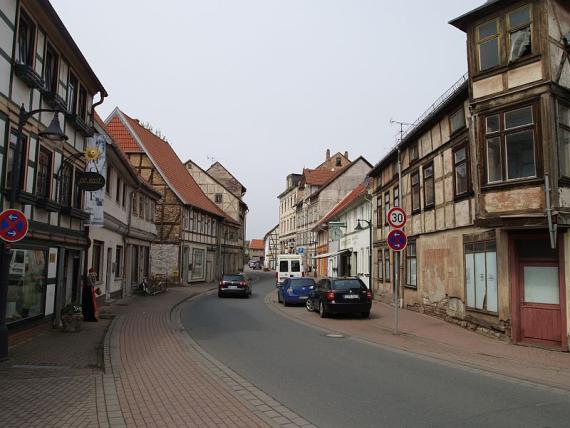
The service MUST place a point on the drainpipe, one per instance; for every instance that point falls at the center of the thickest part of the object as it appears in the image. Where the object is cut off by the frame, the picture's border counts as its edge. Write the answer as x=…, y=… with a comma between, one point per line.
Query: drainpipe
x=552, y=228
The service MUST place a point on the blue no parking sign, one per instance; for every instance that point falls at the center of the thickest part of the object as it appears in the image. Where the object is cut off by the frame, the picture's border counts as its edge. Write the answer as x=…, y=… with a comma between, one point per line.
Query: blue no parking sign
x=397, y=240
x=13, y=225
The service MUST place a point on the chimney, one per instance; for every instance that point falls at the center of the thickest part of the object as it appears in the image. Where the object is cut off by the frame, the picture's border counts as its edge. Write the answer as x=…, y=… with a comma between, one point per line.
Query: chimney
x=346, y=155
x=328, y=154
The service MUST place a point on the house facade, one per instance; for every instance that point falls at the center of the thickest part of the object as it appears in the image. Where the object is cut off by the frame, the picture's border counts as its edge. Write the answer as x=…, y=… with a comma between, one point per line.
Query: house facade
x=120, y=245
x=287, y=214
x=484, y=183
x=230, y=201
x=257, y=250
x=188, y=244
x=41, y=67
x=271, y=240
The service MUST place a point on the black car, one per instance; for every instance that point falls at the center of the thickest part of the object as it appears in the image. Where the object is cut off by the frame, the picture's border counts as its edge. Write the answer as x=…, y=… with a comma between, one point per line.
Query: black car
x=340, y=296
x=234, y=285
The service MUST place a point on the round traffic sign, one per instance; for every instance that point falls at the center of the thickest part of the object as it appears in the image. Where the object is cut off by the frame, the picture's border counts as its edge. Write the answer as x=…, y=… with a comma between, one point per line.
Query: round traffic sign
x=397, y=217
x=13, y=225
x=397, y=240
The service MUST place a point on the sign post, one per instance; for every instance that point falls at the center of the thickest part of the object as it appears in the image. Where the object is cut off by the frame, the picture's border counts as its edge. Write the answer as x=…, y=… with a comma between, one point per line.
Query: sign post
x=397, y=241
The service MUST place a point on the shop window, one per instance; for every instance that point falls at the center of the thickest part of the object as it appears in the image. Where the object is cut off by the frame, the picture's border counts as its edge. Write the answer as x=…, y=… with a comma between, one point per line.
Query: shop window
x=481, y=276
x=429, y=186
x=461, y=170
x=26, y=284
x=97, y=258
x=415, y=183
x=43, y=178
x=50, y=70
x=457, y=120
x=387, y=265
x=10, y=159
x=411, y=266
x=118, y=261
x=564, y=140
x=510, y=145
x=26, y=39
x=386, y=206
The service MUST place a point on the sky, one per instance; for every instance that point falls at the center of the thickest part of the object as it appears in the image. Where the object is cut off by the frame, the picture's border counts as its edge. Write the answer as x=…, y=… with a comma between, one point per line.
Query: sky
x=266, y=86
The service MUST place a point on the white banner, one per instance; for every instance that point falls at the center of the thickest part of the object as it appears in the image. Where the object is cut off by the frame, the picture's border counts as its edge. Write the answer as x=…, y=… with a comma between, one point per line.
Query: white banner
x=94, y=201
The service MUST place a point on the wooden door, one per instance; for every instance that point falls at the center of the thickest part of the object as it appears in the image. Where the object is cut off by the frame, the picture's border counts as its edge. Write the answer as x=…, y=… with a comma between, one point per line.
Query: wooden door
x=540, y=309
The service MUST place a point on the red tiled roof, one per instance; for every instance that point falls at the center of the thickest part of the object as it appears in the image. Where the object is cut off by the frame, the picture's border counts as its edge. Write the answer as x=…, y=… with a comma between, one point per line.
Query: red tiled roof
x=122, y=136
x=168, y=163
x=348, y=200
x=256, y=244
x=317, y=177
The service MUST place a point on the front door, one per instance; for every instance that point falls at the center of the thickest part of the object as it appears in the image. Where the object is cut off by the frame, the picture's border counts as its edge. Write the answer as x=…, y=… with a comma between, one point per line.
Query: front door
x=540, y=311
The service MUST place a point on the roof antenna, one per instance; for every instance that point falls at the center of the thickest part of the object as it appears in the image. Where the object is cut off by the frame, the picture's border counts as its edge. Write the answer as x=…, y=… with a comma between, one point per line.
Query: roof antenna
x=213, y=159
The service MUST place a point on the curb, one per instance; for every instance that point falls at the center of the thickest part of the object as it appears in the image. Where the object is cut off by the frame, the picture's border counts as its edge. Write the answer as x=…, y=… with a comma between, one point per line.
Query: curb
x=261, y=404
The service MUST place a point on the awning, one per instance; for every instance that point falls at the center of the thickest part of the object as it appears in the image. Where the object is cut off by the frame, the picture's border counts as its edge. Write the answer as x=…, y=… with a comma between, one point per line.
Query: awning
x=336, y=253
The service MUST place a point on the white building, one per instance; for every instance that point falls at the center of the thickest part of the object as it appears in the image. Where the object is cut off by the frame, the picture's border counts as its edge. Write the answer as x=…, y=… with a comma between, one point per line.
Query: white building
x=271, y=240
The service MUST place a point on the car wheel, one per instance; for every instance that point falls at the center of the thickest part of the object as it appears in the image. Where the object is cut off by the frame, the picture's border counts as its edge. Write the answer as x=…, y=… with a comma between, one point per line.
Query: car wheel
x=309, y=305
x=366, y=314
x=220, y=294
x=322, y=312
x=285, y=302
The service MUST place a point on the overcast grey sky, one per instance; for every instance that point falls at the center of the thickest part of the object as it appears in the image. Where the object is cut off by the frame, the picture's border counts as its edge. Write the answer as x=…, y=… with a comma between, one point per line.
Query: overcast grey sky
x=266, y=86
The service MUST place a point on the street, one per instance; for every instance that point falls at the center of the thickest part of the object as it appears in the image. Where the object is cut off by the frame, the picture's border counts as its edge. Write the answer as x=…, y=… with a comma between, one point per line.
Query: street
x=340, y=382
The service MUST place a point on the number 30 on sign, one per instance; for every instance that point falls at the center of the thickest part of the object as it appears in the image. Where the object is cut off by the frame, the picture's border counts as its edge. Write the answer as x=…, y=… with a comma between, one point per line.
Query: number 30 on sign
x=397, y=218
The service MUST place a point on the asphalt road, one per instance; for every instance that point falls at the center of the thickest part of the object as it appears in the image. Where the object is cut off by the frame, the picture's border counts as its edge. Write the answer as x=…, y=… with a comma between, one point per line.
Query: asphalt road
x=347, y=383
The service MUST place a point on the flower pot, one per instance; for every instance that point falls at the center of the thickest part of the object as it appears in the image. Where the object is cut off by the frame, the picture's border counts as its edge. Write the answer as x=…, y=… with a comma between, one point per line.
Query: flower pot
x=71, y=323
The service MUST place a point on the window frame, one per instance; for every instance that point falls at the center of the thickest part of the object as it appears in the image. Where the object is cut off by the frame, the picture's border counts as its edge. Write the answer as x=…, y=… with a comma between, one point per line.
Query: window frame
x=510, y=30
x=218, y=198
x=119, y=261
x=479, y=41
x=380, y=259
x=387, y=203
x=387, y=265
x=502, y=134
x=77, y=193
x=460, y=110
x=469, y=189
x=485, y=244
x=31, y=39
x=425, y=167
x=71, y=98
x=43, y=184
x=12, y=148
x=414, y=188
x=411, y=245
x=66, y=186
x=51, y=84
x=379, y=217
x=396, y=196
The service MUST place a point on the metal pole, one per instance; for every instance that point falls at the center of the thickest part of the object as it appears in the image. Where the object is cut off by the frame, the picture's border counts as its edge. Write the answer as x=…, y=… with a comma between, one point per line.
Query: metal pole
x=398, y=254
x=396, y=288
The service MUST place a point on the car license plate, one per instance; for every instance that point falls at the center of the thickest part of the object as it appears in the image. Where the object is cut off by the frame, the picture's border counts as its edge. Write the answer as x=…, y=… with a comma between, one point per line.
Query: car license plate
x=303, y=297
x=232, y=286
x=351, y=296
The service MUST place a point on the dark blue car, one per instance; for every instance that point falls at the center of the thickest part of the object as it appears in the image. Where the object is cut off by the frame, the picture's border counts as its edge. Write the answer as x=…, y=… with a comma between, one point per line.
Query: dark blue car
x=294, y=291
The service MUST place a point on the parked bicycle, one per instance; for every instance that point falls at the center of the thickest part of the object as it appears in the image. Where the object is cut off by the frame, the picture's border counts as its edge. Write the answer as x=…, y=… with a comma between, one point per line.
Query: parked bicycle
x=157, y=284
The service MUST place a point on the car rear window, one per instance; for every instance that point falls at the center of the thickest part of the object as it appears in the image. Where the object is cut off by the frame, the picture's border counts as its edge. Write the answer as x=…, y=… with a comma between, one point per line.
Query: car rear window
x=302, y=283
x=283, y=266
x=295, y=266
x=348, y=284
x=233, y=278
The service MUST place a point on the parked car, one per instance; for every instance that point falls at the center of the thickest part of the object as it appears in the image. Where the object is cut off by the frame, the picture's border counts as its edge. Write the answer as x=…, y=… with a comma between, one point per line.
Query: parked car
x=289, y=266
x=234, y=285
x=295, y=290
x=340, y=296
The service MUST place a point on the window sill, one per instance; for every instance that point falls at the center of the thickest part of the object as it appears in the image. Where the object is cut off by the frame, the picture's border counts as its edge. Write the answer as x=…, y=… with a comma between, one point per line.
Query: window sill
x=482, y=311
x=463, y=196
x=429, y=207
x=564, y=181
x=511, y=184
x=411, y=287
x=80, y=124
x=47, y=204
x=416, y=211
x=54, y=100
x=499, y=69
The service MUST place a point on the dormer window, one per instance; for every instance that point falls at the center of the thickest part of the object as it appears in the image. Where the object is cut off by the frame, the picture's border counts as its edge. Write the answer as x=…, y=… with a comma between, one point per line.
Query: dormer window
x=338, y=162
x=26, y=38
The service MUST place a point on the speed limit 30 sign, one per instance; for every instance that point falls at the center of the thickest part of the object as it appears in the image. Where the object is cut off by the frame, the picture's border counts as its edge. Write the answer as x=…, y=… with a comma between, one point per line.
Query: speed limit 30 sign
x=397, y=218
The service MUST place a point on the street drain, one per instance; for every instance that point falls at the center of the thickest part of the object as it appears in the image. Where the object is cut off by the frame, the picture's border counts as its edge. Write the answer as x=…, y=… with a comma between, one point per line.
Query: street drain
x=335, y=335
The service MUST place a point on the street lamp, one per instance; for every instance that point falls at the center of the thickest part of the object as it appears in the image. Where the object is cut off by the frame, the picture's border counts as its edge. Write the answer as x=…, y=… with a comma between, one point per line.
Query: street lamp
x=53, y=133
x=359, y=228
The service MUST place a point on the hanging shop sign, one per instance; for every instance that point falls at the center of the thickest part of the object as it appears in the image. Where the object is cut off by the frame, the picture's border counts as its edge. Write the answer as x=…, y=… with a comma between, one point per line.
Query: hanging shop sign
x=90, y=181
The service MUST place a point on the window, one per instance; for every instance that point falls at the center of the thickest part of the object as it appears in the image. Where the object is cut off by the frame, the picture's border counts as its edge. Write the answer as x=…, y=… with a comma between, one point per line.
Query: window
x=386, y=265
x=411, y=266
x=380, y=265
x=415, y=181
x=379, y=218
x=135, y=204
x=396, y=191
x=43, y=178
x=414, y=151
x=510, y=147
x=26, y=39
x=50, y=70
x=66, y=185
x=124, y=194
x=338, y=162
x=457, y=120
x=564, y=140
x=488, y=45
x=519, y=39
x=141, y=206
x=96, y=258
x=461, y=170
x=26, y=284
x=386, y=206
x=118, y=261
x=218, y=198
x=77, y=193
x=10, y=160
x=118, y=190
x=108, y=181
x=82, y=104
x=481, y=276
x=72, y=85
x=429, y=186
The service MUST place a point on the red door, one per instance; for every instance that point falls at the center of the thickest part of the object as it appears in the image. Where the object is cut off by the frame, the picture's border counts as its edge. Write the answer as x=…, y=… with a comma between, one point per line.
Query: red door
x=540, y=303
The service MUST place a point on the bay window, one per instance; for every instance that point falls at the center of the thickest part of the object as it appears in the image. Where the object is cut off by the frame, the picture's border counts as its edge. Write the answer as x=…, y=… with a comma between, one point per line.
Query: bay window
x=510, y=145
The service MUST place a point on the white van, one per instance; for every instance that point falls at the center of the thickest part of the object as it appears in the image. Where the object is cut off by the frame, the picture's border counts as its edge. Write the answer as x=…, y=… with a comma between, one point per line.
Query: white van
x=289, y=266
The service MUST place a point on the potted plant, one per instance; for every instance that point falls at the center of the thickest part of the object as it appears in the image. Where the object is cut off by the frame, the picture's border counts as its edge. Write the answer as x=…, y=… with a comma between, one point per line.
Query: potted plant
x=71, y=318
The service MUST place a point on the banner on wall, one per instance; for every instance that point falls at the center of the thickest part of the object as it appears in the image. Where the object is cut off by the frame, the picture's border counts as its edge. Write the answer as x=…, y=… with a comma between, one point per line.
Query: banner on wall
x=96, y=163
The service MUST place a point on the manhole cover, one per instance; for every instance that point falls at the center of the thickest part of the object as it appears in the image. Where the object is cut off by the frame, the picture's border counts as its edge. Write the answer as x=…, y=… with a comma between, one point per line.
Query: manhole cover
x=335, y=335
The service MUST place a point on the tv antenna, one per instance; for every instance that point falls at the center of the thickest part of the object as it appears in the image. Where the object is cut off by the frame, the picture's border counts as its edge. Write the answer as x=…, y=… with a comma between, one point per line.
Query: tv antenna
x=402, y=124
x=213, y=159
